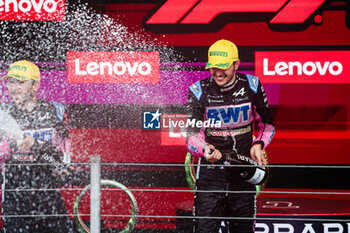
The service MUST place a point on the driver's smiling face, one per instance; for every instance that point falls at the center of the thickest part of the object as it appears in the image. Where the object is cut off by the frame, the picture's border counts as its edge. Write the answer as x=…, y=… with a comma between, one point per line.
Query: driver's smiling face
x=224, y=76
x=21, y=91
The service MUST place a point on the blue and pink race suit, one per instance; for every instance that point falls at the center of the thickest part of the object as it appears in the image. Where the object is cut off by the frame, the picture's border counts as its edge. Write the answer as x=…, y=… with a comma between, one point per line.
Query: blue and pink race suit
x=30, y=183
x=240, y=108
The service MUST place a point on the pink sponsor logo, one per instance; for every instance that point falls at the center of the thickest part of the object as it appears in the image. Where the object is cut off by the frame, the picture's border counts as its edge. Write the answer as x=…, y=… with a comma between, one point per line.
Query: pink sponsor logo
x=113, y=67
x=33, y=10
x=303, y=66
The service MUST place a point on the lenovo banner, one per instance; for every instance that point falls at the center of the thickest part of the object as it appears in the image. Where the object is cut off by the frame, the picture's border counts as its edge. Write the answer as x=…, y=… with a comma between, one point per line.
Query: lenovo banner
x=33, y=10
x=303, y=66
x=113, y=67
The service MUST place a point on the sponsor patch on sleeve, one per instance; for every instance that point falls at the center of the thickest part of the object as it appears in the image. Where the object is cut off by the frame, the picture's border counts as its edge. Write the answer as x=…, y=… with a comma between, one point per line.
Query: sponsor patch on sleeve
x=59, y=110
x=197, y=89
x=253, y=82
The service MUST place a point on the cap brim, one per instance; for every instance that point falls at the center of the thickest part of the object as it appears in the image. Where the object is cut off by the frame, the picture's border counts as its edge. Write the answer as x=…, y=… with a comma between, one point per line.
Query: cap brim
x=4, y=77
x=20, y=78
x=222, y=66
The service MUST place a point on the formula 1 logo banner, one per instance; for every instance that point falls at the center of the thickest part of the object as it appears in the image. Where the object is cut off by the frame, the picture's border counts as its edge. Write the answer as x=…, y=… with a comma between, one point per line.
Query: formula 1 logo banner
x=204, y=11
x=113, y=67
x=33, y=10
x=303, y=66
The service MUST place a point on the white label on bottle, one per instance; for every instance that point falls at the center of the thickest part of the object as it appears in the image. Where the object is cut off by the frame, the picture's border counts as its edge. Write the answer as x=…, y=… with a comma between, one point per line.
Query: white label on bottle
x=257, y=177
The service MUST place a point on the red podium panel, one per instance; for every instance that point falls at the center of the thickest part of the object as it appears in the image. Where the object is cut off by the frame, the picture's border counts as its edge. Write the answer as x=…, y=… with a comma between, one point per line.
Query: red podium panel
x=292, y=211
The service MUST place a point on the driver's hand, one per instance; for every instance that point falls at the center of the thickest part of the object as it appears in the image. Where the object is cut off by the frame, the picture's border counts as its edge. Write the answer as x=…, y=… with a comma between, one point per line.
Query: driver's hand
x=257, y=154
x=26, y=143
x=214, y=156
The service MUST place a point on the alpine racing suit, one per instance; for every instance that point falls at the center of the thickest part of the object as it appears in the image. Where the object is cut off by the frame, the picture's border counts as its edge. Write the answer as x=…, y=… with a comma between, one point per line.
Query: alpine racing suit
x=24, y=171
x=241, y=107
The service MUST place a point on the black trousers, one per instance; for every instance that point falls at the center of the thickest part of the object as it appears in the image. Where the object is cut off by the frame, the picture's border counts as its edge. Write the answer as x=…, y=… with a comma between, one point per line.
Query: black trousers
x=221, y=204
x=38, y=225
x=35, y=203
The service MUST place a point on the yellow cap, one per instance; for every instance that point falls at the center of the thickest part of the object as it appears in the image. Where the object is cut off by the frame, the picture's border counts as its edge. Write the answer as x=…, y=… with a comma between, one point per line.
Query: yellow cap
x=222, y=54
x=23, y=70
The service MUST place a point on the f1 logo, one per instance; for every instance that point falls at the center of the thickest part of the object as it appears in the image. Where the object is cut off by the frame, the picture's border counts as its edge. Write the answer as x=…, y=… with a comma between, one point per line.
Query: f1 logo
x=204, y=11
x=151, y=120
x=280, y=205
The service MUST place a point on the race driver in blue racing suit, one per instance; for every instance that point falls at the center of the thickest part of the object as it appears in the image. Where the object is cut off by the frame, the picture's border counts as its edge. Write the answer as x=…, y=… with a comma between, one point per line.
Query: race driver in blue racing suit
x=31, y=165
x=239, y=103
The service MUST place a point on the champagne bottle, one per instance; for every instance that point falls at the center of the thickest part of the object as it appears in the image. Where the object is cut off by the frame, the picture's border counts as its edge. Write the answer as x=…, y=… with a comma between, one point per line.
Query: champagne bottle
x=254, y=173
